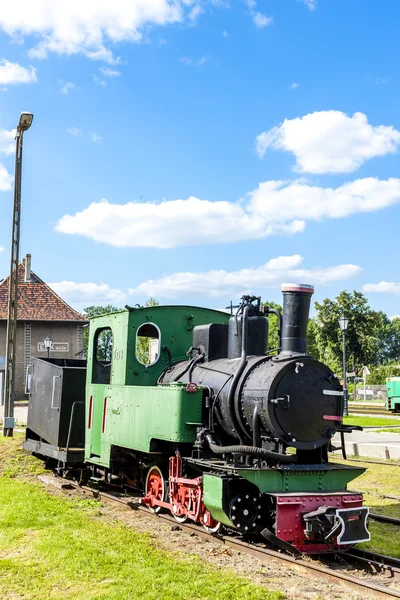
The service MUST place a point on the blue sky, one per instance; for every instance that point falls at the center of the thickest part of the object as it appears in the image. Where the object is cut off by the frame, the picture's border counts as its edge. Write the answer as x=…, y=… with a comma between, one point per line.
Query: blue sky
x=196, y=150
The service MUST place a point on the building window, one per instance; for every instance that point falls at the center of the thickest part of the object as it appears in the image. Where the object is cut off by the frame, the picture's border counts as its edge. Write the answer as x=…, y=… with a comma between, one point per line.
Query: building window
x=102, y=355
x=81, y=342
x=148, y=344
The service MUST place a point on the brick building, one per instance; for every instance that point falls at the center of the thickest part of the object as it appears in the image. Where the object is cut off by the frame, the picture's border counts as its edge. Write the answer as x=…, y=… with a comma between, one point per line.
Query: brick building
x=41, y=313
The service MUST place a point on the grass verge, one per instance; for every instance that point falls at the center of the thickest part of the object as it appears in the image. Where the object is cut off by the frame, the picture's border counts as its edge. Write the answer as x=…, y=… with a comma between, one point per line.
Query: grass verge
x=375, y=483
x=371, y=421
x=389, y=430
x=54, y=548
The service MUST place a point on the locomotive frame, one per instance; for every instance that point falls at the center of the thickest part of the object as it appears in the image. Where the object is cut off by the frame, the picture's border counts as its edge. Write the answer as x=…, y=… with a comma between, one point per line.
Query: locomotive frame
x=182, y=422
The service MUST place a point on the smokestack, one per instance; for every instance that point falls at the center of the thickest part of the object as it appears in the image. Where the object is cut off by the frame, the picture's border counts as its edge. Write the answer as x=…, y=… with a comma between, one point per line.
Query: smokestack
x=296, y=309
x=27, y=268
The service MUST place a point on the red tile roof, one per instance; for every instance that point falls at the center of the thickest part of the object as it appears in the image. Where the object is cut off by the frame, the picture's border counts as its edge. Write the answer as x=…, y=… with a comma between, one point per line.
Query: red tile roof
x=37, y=301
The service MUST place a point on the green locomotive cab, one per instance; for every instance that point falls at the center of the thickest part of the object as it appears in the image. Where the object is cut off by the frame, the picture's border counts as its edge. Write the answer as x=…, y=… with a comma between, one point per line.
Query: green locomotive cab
x=393, y=394
x=126, y=412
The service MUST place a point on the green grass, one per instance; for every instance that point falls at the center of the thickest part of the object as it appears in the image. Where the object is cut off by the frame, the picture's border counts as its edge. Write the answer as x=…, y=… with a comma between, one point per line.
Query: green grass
x=54, y=548
x=389, y=430
x=370, y=421
x=376, y=482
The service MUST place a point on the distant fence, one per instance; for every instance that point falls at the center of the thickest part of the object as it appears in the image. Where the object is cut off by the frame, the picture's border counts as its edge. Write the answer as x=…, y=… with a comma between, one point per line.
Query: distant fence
x=373, y=393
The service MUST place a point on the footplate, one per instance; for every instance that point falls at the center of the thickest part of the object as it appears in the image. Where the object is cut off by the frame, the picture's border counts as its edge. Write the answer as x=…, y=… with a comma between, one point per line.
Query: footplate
x=354, y=526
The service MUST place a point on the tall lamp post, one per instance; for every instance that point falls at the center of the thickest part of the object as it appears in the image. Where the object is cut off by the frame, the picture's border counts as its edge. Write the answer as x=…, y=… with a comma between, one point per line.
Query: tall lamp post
x=47, y=344
x=343, y=324
x=25, y=121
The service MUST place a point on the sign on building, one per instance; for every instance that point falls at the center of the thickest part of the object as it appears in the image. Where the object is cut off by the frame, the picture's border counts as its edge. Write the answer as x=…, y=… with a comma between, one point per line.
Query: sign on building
x=55, y=347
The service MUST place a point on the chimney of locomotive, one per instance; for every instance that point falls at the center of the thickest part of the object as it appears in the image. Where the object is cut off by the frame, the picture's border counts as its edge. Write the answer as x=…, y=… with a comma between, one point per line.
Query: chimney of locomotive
x=296, y=309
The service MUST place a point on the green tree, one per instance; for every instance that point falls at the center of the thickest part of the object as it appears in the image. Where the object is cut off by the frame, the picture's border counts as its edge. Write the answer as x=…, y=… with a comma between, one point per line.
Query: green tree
x=104, y=346
x=312, y=339
x=388, y=339
x=368, y=338
x=143, y=343
x=379, y=373
x=273, y=341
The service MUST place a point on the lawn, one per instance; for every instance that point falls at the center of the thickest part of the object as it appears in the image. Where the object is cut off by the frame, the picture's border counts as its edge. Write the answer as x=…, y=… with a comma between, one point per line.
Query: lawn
x=54, y=548
x=379, y=480
x=371, y=421
x=389, y=430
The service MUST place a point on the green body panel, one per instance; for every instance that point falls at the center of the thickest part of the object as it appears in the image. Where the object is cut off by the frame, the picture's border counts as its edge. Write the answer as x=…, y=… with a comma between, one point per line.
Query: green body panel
x=214, y=498
x=137, y=410
x=330, y=477
x=176, y=325
x=276, y=481
x=393, y=393
x=98, y=393
x=137, y=415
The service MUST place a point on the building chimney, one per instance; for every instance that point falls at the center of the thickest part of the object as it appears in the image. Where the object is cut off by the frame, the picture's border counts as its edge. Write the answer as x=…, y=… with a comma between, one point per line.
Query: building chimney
x=27, y=268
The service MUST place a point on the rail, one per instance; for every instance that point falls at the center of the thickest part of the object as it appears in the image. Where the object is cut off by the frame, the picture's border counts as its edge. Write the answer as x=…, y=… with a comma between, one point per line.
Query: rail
x=376, y=562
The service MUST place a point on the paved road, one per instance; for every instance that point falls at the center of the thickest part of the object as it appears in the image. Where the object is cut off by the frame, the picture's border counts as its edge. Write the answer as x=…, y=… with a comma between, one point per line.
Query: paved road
x=20, y=413
x=371, y=444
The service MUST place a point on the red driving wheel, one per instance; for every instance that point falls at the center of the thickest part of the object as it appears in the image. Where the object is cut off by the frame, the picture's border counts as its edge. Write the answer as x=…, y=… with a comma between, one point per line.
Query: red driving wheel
x=155, y=487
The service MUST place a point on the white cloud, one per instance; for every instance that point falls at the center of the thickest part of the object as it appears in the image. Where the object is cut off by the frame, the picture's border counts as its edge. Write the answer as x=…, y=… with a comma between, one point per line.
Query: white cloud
x=311, y=4
x=170, y=224
x=258, y=18
x=330, y=141
x=382, y=80
x=274, y=207
x=74, y=131
x=298, y=200
x=7, y=146
x=188, y=62
x=13, y=73
x=235, y=283
x=88, y=293
x=99, y=81
x=294, y=85
x=95, y=138
x=1, y=248
x=394, y=317
x=384, y=287
x=88, y=27
x=261, y=20
x=7, y=141
x=5, y=179
x=66, y=86
x=107, y=72
x=196, y=11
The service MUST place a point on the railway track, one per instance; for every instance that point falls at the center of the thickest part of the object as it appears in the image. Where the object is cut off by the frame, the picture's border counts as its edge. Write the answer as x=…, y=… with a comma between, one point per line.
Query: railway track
x=330, y=569
x=375, y=462
x=384, y=519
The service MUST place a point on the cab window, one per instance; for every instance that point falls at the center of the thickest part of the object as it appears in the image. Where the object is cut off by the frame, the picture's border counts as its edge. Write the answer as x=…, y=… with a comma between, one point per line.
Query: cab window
x=148, y=344
x=102, y=355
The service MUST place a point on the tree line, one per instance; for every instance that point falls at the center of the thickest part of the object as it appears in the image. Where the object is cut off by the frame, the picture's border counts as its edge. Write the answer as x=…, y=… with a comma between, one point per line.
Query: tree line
x=372, y=339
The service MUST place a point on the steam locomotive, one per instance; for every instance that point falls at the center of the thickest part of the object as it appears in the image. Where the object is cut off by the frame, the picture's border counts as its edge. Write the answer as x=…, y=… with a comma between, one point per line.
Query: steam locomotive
x=190, y=406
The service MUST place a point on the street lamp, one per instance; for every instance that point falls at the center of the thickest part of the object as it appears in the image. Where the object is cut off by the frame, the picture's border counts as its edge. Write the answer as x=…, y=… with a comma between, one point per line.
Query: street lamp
x=47, y=344
x=25, y=121
x=343, y=324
